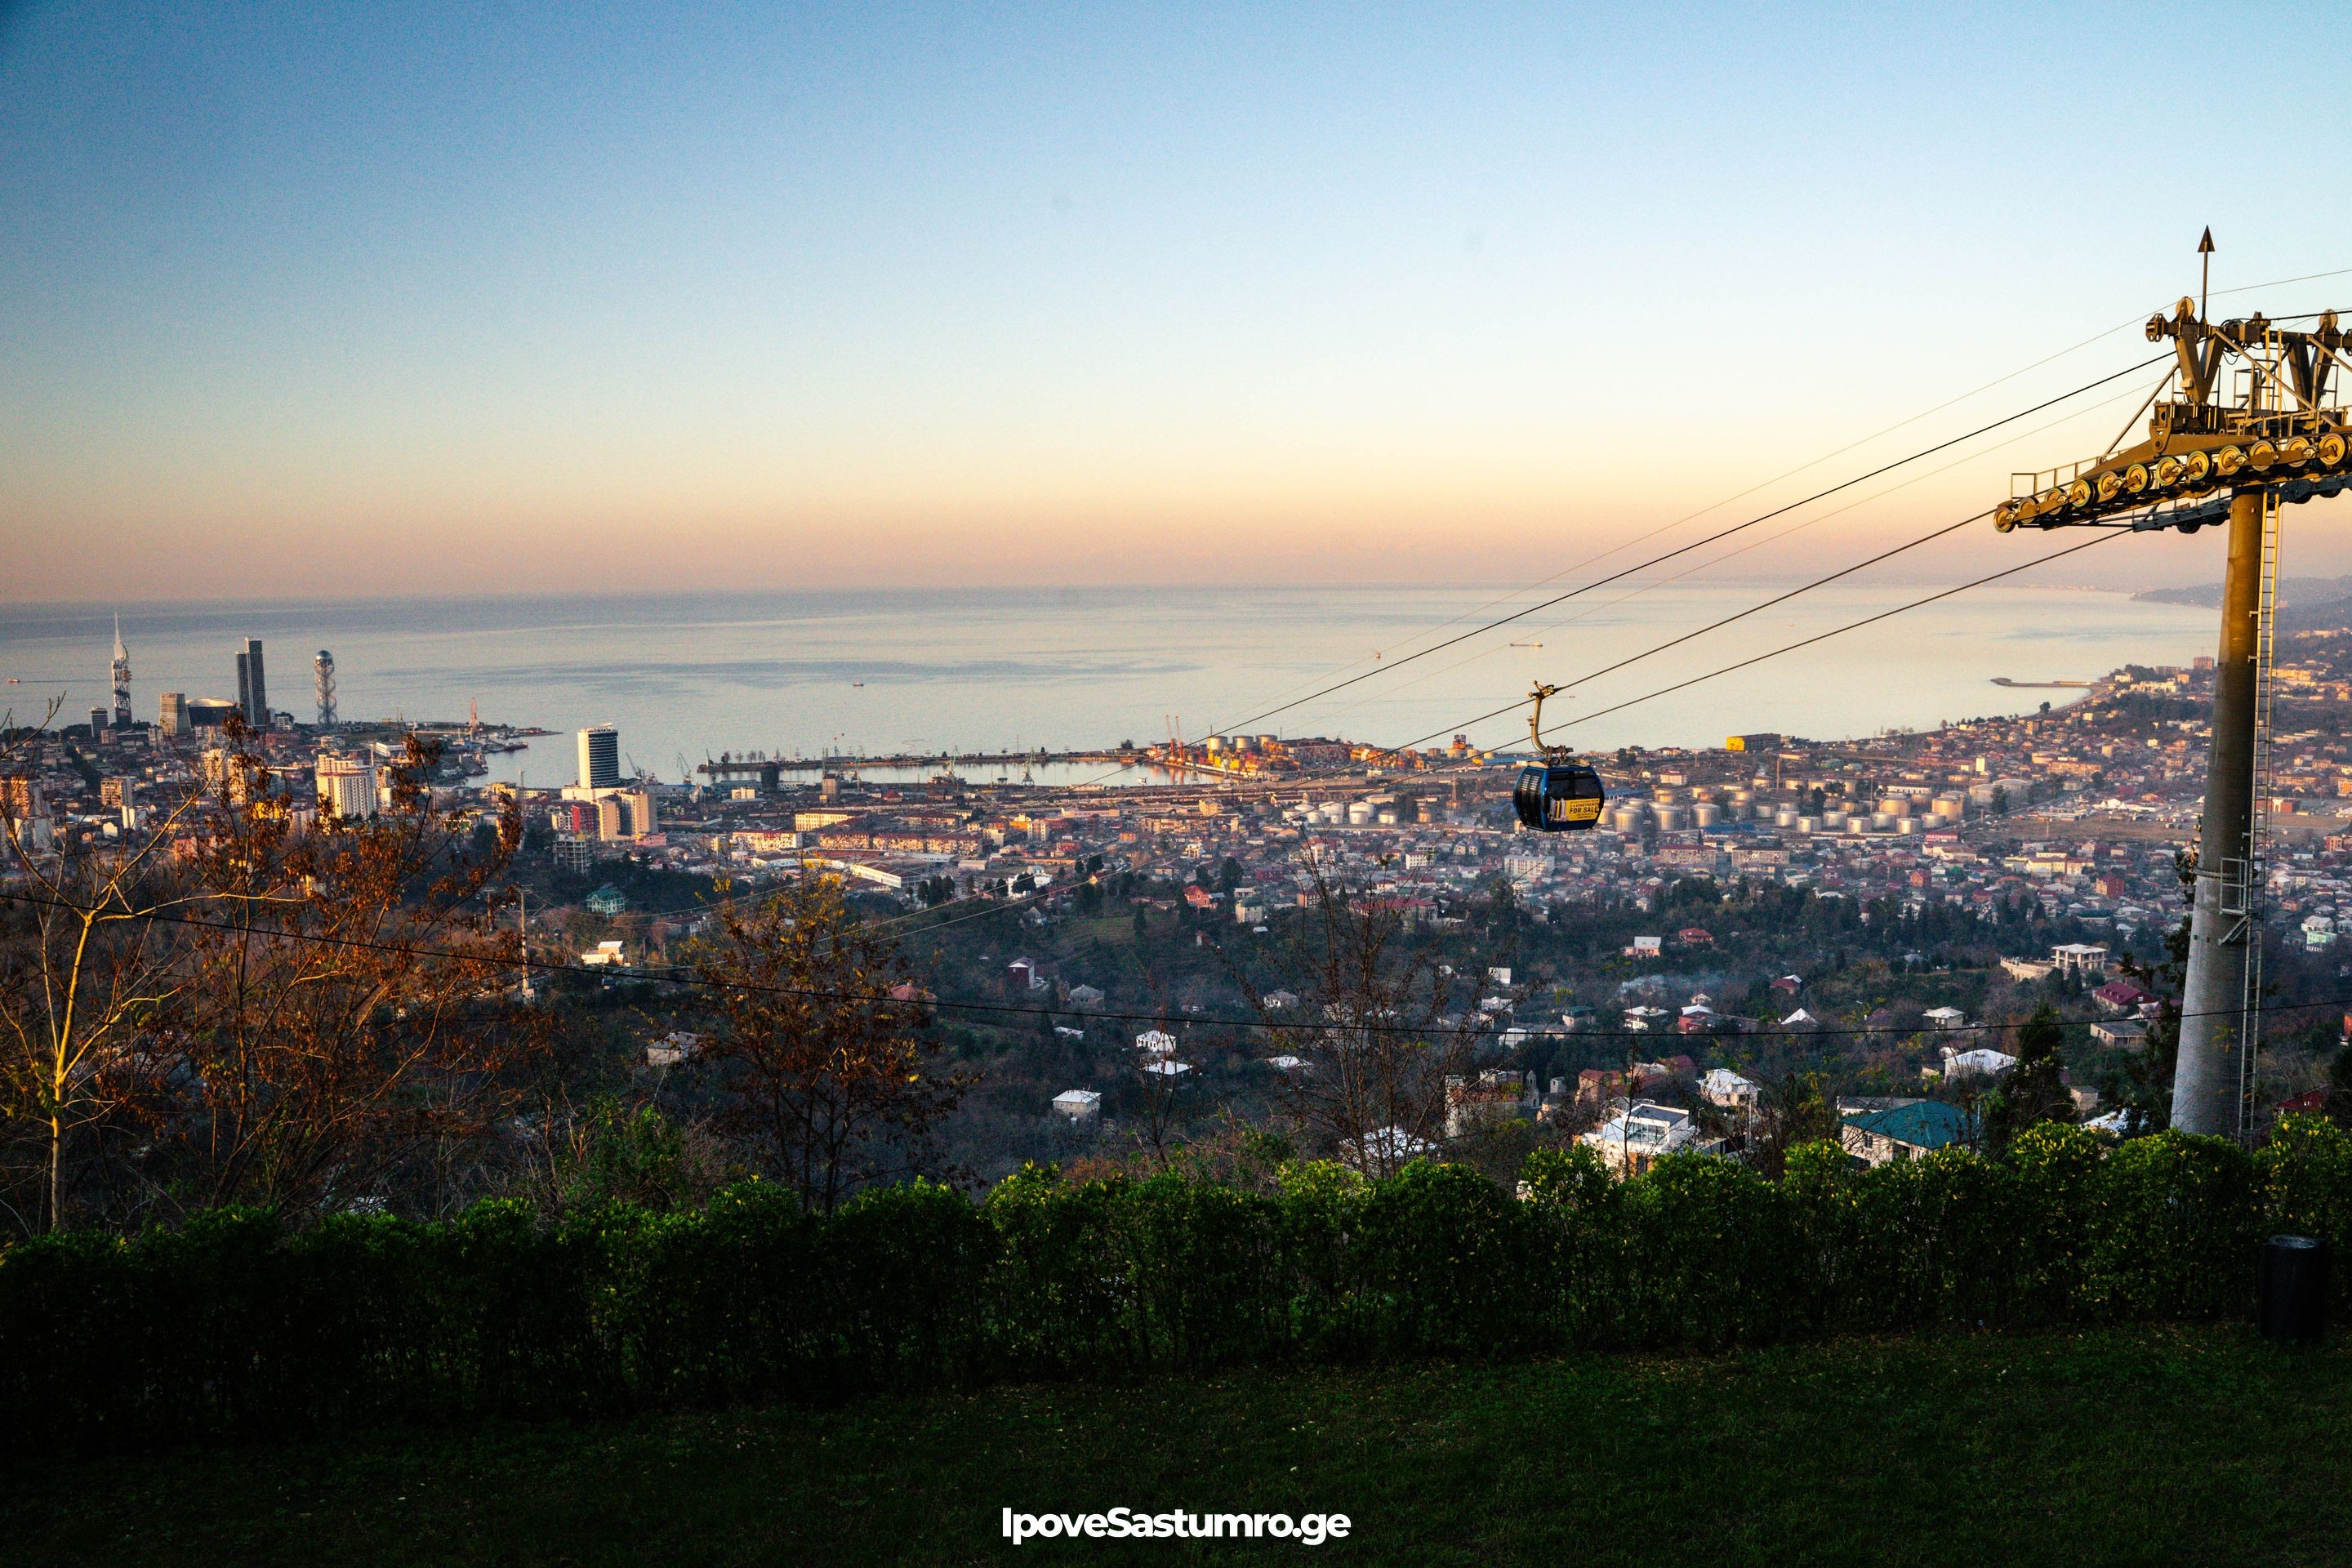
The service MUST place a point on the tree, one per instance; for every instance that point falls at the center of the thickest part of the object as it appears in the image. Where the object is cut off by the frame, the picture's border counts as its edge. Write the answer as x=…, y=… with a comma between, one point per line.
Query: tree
x=1795, y=1109
x=615, y=1155
x=2339, y=1107
x=2035, y=1088
x=1372, y=1090
x=85, y=965
x=2144, y=1087
x=345, y=1033
x=826, y=1076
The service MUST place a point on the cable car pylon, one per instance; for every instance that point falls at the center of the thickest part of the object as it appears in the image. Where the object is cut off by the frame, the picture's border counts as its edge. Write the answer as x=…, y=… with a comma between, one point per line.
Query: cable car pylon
x=2277, y=439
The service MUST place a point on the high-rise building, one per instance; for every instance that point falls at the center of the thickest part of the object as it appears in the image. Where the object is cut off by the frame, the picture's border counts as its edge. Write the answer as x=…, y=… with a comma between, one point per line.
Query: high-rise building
x=221, y=771
x=120, y=674
x=599, y=757
x=641, y=812
x=347, y=785
x=173, y=718
x=251, y=688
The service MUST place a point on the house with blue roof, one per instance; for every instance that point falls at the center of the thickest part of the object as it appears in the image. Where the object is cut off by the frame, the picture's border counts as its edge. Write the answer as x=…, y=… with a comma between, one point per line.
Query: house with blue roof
x=1906, y=1130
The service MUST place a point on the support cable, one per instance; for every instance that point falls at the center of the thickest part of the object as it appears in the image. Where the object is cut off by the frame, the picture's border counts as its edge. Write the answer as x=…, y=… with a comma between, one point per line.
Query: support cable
x=1502, y=621
x=1790, y=647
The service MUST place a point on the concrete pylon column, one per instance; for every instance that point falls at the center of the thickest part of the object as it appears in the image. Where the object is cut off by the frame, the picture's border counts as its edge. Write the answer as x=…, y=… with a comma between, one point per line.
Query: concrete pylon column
x=2205, y=1094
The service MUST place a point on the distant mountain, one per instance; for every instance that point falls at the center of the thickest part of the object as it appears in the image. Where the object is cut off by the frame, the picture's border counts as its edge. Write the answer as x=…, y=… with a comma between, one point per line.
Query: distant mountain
x=2335, y=614
x=2292, y=590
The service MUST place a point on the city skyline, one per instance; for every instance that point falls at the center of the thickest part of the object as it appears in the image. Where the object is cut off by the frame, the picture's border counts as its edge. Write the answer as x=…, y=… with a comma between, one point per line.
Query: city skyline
x=818, y=298
x=1019, y=753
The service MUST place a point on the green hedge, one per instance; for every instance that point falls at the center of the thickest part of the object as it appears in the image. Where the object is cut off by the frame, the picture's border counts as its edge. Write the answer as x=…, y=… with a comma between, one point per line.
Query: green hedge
x=233, y=1326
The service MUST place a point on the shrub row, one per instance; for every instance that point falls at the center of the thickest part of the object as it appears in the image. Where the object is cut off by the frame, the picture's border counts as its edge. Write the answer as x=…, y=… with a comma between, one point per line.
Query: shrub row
x=235, y=1326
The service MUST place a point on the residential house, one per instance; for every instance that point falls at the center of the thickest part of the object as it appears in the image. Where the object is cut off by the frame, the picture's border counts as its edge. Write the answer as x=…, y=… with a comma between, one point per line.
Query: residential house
x=2121, y=1034
x=1722, y=1087
x=1906, y=1130
x=672, y=1049
x=1495, y=1095
x=1596, y=1085
x=1984, y=1063
x=1640, y=1135
x=2121, y=996
x=1385, y=1149
x=2079, y=958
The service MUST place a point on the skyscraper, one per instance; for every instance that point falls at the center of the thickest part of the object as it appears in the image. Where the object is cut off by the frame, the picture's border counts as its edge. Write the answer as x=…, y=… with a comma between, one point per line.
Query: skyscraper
x=120, y=671
x=252, y=690
x=599, y=757
x=347, y=785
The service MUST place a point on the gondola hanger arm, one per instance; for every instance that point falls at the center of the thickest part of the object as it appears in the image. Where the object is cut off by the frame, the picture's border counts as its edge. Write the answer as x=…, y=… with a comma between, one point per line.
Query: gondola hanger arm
x=1535, y=719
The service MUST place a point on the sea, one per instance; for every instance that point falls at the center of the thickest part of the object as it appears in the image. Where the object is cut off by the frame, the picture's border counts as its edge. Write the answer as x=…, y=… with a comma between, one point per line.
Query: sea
x=686, y=676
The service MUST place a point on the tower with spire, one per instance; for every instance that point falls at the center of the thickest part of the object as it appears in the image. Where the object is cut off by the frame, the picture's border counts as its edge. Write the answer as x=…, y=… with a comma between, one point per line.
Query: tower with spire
x=120, y=673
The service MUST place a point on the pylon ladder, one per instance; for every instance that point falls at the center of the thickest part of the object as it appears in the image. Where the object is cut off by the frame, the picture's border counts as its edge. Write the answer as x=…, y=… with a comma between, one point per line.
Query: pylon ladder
x=2258, y=824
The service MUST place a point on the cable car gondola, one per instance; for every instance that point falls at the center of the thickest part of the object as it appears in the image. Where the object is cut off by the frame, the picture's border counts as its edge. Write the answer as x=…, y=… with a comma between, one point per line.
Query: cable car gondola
x=1557, y=794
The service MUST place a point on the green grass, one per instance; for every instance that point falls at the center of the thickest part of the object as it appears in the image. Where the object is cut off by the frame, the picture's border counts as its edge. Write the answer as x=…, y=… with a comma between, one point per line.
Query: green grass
x=2181, y=1445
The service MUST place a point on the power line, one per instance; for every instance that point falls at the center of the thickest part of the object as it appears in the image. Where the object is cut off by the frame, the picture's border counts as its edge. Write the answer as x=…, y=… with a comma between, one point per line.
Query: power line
x=679, y=976
x=1693, y=544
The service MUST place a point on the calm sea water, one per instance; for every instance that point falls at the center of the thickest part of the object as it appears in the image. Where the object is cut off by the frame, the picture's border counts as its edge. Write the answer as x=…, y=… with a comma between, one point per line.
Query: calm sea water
x=689, y=676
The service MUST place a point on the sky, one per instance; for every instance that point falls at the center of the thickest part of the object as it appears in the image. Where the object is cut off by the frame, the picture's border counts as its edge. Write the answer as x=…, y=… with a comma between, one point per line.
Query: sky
x=431, y=299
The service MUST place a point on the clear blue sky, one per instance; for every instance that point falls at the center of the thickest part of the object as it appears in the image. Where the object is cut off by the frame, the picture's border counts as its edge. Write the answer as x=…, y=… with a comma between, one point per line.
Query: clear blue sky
x=413, y=297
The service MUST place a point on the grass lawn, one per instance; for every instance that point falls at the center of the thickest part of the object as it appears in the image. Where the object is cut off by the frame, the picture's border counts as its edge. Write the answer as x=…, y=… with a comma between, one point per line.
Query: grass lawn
x=2142, y=1445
